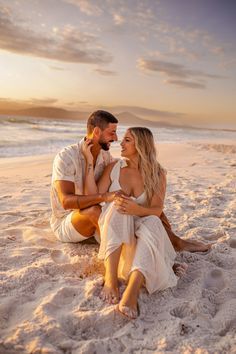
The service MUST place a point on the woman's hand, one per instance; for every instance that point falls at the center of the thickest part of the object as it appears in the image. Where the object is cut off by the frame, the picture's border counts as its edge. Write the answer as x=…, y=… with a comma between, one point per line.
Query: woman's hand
x=126, y=205
x=86, y=150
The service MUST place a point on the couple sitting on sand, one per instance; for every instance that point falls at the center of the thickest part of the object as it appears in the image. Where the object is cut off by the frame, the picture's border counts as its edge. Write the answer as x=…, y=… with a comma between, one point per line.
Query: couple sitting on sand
x=120, y=203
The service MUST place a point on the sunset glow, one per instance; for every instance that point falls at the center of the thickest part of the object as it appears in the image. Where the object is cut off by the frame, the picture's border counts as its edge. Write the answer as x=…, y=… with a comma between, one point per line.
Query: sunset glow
x=174, y=57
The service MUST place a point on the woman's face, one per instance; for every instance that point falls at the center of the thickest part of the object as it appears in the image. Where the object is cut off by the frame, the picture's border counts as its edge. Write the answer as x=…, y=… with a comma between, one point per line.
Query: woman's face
x=128, y=148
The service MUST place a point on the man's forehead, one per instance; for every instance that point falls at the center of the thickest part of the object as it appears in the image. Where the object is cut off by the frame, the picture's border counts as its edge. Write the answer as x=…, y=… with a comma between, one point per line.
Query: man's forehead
x=111, y=127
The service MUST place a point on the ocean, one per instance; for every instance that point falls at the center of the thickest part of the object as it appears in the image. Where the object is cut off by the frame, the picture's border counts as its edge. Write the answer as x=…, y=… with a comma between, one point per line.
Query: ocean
x=21, y=136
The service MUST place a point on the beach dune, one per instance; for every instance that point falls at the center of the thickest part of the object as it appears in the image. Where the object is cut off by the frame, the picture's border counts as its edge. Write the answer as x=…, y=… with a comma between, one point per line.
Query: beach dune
x=49, y=290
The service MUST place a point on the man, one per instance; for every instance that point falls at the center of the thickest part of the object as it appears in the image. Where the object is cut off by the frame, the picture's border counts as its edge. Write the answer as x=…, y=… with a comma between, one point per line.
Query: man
x=75, y=214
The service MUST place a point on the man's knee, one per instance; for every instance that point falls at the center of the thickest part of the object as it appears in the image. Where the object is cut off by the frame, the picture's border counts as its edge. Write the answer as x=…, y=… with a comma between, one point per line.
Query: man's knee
x=92, y=213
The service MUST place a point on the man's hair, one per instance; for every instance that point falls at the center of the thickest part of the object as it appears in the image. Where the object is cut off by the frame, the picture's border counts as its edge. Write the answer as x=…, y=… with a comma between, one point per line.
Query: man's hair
x=100, y=119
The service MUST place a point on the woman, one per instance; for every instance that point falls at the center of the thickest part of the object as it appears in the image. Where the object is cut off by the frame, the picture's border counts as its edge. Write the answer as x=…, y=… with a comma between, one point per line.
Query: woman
x=134, y=243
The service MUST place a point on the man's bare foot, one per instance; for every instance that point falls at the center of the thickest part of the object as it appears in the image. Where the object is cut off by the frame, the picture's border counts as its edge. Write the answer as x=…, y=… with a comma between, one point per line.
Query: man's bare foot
x=192, y=246
x=110, y=293
x=180, y=269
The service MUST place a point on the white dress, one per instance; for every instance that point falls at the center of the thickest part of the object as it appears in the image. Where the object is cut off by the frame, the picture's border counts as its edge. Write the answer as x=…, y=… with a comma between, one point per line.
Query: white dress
x=145, y=244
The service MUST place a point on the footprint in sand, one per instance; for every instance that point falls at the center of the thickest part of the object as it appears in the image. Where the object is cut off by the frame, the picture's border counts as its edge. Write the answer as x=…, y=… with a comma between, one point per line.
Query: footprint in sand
x=6, y=197
x=59, y=257
x=214, y=280
x=181, y=311
x=232, y=243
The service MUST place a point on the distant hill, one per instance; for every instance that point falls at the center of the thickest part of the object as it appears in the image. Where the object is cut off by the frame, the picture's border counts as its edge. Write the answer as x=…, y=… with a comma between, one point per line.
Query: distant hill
x=125, y=118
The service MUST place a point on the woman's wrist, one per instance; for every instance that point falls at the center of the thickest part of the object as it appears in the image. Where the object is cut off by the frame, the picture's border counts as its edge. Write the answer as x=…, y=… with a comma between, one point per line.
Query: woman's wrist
x=141, y=211
x=89, y=167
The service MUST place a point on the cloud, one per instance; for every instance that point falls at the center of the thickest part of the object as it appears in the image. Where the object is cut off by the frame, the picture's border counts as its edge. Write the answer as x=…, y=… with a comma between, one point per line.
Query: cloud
x=68, y=44
x=57, y=68
x=41, y=101
x=118, y=19
x=105, y=72
x=179, y=74
x=86, y=6
x=186, y=84
x=11, y=104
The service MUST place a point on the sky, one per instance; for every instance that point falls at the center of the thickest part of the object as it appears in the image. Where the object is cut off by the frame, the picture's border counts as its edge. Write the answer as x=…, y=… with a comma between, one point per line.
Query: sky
x=172, y=60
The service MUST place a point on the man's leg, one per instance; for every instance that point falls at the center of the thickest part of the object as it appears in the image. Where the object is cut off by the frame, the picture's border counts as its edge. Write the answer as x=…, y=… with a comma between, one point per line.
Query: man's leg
x=180, y=244
x=86, y=221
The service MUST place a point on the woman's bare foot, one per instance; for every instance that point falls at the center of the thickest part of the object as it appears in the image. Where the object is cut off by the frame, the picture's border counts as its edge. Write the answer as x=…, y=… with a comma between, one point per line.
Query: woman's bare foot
x=128, y=305
x=110, y=293
x=127, y=311
x=192, y=246
x=180, y=269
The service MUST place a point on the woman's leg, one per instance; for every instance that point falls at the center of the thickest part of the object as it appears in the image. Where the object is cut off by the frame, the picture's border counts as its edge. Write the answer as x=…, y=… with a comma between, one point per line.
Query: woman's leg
x=128, y=305
x=110, y=291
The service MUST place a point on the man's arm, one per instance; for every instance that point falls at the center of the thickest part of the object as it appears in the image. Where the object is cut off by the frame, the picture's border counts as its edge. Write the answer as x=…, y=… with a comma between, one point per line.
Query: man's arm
x=69, y=200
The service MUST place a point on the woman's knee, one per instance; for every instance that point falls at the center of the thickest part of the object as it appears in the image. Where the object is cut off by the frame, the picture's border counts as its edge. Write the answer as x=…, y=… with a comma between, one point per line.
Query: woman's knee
x=152, y=222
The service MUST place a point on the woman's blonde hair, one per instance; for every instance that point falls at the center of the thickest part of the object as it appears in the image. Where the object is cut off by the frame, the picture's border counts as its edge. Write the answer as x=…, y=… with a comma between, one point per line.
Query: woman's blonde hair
x=148, y=165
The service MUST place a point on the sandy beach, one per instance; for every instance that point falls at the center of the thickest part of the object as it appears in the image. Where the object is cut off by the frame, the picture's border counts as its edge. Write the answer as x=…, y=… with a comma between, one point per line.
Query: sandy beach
x=49, y=290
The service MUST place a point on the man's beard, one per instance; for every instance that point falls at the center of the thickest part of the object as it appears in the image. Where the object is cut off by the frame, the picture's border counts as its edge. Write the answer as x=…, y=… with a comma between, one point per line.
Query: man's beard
x=105, y=146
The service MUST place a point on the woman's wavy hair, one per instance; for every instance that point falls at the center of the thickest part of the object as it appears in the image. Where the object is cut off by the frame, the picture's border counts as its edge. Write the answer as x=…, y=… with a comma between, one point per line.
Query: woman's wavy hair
x=147, y=162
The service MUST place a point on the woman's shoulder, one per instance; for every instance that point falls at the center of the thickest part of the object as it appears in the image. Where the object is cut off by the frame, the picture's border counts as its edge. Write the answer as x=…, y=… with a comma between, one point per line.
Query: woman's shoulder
x=117, y=162
x=115, y=168
x=110, y=166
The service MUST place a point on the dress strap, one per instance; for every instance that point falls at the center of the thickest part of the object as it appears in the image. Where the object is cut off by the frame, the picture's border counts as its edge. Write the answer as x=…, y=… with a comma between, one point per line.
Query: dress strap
x=115, y=172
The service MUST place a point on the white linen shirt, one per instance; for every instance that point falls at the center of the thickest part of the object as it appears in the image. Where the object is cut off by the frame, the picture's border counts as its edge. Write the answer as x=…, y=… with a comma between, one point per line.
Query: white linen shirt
x=69, y=165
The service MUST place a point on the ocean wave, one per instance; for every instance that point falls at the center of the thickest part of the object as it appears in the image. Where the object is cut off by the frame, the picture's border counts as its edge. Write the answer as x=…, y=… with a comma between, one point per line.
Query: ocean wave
x=38, y=142
x=12, y=120
x=54, y=129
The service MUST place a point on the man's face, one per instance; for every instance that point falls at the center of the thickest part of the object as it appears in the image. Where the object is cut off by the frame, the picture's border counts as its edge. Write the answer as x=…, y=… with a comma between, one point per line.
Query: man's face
x=108, y=135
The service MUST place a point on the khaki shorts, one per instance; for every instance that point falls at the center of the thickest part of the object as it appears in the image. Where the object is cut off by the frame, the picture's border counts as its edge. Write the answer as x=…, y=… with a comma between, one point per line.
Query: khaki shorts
x=67, y=233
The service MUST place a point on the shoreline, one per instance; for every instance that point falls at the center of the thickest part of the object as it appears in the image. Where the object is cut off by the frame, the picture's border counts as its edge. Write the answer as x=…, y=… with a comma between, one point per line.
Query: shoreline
x=222, y=145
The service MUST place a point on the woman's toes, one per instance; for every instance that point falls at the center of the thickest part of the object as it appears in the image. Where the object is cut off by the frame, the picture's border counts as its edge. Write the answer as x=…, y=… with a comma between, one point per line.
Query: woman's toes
x=127, y=311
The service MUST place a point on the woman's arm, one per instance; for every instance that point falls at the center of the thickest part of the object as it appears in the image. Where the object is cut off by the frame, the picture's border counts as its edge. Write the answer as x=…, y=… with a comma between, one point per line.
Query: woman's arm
x=90, y=186
x=126, y=205
x=104, y=181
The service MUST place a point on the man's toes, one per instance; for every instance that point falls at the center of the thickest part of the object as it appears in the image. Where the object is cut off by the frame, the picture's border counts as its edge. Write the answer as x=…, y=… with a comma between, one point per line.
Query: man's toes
x=180, y=269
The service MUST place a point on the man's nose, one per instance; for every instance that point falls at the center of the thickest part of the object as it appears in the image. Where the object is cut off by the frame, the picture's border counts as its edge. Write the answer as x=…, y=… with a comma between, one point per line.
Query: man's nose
x=115, y=137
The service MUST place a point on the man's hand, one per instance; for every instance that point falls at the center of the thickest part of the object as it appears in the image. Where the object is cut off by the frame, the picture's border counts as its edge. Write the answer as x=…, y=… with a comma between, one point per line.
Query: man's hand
x=111, y=196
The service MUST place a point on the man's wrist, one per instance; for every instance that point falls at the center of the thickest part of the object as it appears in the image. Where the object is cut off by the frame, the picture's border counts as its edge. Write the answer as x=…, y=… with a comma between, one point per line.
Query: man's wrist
x=104, y=197
x=78, y=202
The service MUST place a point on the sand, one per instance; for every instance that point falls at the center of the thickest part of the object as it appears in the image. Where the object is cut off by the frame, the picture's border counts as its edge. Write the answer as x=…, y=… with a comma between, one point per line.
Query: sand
x=49, y=290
